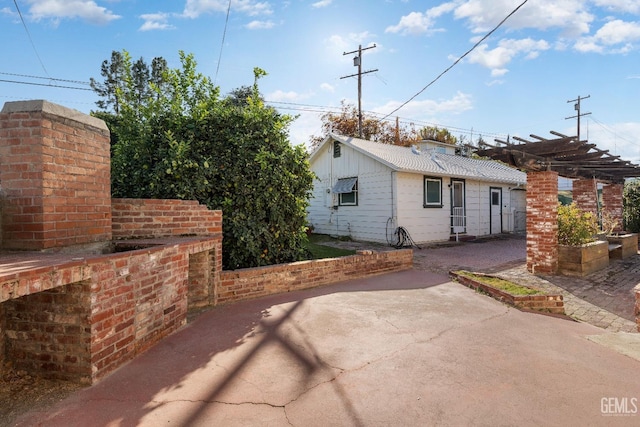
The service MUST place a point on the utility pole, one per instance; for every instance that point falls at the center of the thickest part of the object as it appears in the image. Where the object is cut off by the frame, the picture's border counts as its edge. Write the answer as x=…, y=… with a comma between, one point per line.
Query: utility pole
x=576, y=106
x=357, y=62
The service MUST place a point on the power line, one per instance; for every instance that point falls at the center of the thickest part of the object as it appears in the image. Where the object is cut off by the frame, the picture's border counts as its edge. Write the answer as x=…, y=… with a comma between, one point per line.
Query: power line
x=459, y=59
x=24, y=24
x=224, y=34
x=45, y=84
x=46, y=78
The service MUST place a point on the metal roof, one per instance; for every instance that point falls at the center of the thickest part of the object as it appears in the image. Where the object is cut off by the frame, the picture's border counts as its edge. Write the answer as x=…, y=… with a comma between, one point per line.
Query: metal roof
x=430, y=162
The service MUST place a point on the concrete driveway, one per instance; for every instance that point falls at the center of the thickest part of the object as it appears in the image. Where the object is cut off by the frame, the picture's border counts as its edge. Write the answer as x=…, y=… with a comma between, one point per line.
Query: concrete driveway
x=403, y=349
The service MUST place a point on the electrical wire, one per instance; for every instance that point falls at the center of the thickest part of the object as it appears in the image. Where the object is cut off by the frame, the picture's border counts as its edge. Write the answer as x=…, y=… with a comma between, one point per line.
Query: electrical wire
x=486, y=36
x=46, y=78
x=224, y=35
x=24, y=24
x=46, y=84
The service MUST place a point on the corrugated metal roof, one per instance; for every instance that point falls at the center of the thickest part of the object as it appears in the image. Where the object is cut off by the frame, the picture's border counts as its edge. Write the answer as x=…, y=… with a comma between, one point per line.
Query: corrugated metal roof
x=430, y=162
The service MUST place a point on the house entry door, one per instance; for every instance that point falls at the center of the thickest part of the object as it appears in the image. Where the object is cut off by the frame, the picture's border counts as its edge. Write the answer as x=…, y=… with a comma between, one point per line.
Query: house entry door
x=458, y=217
x=496, y=211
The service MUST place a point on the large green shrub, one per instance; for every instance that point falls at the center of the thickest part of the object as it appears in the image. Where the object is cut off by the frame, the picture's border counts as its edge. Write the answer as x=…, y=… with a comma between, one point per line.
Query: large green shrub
x=631, y=212
x=187, y=143
x=575, y=227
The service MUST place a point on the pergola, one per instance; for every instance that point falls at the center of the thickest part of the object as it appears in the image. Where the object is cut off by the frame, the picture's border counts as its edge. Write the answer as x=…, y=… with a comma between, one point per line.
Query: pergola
x=544, y=160
x=565, y=155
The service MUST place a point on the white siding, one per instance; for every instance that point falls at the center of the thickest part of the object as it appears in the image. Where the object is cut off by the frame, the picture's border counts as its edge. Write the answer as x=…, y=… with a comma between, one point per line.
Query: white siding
x=423, y=224
x=366, y=221
x=434, y=224
x=389, y=199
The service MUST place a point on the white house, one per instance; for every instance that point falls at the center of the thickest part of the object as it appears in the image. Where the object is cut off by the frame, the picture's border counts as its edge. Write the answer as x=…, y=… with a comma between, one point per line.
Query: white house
x=369, y=191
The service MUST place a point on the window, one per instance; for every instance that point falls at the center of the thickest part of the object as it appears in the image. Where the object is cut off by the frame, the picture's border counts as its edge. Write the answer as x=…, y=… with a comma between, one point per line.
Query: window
x=347, y=191
x=432, y=192
x=336, y=149
x=495, y=197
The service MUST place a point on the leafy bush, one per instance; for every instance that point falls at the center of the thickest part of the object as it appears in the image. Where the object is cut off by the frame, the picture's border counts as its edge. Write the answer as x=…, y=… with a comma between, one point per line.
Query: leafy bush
x=185, y=142
x=631, y=212
x=575, y=227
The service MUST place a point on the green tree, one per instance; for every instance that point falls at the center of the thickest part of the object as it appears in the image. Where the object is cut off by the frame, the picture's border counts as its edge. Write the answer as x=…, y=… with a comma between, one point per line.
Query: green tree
x=186, y=142
x=127, y=82
x=631, y=203
x=346, y=123
x=435, y=133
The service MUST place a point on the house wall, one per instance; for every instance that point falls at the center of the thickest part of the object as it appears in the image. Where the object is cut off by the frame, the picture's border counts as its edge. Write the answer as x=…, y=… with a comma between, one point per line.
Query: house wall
x=434, y=224
x=389, y=199
x=366, y=221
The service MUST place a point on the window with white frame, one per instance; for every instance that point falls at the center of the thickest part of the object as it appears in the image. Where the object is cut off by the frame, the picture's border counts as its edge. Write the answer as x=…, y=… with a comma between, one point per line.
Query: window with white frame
x=432, y=192
x=347, y=191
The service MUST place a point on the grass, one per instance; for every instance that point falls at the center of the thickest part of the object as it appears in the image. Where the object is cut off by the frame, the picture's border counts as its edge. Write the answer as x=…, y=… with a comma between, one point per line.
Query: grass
x=503, y=285
x=318, y=250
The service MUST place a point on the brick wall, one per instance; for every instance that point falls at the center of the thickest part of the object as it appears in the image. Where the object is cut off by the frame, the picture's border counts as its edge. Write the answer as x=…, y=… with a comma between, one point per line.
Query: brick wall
x=612, y=202
x=55, y=176
x=82, y=318
x=48, y=333
x=585, y=195
x=636, y=290
x=249, y=283
x=136, y=218
x=542, y=222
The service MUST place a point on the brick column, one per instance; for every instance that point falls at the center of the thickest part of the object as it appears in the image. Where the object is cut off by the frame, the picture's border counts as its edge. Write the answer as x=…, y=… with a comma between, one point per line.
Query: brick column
x=542, y=222
x=612, y=202
x=636, y=290
x=56, y=177
x=585, y=195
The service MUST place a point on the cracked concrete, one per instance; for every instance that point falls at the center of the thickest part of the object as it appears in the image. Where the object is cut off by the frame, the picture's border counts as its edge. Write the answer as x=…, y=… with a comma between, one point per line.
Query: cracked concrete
x=404, y=349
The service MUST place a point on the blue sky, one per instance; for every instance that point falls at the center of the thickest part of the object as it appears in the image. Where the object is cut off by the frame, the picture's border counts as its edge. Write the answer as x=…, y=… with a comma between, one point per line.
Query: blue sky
x=516, y=82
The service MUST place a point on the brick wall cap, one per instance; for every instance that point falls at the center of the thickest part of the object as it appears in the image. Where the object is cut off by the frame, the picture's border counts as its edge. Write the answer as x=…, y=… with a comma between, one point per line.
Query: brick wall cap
x=41, y=105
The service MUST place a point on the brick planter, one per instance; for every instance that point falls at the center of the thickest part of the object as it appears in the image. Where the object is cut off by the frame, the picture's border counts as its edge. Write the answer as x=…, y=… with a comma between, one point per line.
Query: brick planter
x=584, y=259
x=549, y=303
x=626, y=245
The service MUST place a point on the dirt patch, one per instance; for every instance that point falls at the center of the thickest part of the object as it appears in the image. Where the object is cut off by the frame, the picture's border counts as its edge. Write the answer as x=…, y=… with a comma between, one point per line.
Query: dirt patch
x=21, y=393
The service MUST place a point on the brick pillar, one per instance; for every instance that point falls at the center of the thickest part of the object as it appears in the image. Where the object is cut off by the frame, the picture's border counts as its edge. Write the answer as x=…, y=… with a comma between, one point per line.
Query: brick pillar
x=585, y=195
x=542, y=222
x=612, y=203
x=55, y=176
x=636, y=290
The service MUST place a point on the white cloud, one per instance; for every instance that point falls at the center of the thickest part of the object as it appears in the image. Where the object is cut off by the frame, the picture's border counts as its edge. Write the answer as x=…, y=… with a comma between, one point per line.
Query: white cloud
x=195, y=8
x=615, y=36
x=322, y=3
x=327, y=87
x=347, y=43
x=498, y=72
x=290, y=96
x=155, y=21
x=620, y=139
x=420, y=109
x=418, y=23
x=499, y=57
x=572, y=17
x=260, y=25
x=628, y=6
x=57, y=10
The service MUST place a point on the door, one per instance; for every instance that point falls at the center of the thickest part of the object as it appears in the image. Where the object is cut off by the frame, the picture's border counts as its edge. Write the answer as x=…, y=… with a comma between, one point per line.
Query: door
x=458, y=218
x=495, y=217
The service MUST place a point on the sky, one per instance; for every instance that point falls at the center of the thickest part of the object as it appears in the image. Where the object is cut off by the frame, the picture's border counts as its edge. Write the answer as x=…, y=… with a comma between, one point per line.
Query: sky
x=435, y=63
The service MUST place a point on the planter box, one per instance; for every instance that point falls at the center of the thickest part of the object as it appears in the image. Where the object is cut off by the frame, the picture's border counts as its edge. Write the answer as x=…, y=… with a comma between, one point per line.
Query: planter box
x=547, y=303
x=583, y=260
x=623, y=245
